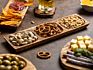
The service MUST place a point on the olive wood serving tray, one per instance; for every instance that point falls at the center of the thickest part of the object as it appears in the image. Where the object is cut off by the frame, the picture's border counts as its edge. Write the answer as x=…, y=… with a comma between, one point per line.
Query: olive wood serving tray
x=43, y=40
x=29, y=65
x=69, y=66
x=18, y=24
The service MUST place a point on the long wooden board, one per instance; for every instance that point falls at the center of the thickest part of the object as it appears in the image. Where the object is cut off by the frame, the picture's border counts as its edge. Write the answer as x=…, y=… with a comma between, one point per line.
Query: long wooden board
x=69, y=66
x=29, y=65
x=43, y=40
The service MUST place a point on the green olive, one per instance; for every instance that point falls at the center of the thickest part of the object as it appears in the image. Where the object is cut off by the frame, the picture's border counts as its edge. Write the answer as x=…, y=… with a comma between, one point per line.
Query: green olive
x=15, y=58
x=14, y=67
x=0, y=61
x=22, y=64
x=2, y=67
x=8, y=67
x=14, y=63
x=6, y=62
x=1, y=58
x=8, y=58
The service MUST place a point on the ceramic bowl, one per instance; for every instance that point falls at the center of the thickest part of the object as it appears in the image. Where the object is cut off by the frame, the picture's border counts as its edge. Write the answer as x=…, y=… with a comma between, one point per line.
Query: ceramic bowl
x=86, y=7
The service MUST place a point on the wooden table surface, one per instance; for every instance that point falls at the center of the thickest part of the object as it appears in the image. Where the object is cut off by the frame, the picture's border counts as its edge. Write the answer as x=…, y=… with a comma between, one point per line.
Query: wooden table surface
x=64, y=8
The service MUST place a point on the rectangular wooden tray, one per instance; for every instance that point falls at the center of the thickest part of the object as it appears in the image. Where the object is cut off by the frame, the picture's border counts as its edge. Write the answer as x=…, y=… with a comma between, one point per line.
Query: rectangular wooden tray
x=43, y=40
x=18, y=24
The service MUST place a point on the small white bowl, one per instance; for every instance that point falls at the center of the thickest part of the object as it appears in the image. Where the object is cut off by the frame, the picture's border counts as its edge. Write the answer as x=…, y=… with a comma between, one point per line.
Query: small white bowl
x=86, y=7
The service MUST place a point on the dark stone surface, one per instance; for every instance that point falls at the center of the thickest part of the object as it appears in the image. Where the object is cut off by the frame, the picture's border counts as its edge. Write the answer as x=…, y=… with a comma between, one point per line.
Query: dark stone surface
x=64, y=7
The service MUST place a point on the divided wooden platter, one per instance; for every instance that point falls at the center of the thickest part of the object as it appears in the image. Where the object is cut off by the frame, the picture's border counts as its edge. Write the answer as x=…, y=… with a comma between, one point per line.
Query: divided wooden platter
x=18, y=23
x=69, y=66
x=43, y=40
x=29, y=65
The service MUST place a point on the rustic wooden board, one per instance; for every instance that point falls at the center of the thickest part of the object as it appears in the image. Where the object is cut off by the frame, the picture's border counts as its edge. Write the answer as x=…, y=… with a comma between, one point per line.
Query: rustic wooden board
x=69, y=66
x=43, y=40
x=29, y=65
x=19, y=23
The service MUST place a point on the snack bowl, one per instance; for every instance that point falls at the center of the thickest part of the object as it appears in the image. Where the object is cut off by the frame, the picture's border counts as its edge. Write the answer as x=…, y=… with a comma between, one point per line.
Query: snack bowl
x=88, y=8
x=15, y=62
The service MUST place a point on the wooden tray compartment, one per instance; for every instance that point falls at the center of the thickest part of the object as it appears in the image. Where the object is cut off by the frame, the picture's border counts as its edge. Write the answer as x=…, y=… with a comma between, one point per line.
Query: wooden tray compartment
x=43, y=40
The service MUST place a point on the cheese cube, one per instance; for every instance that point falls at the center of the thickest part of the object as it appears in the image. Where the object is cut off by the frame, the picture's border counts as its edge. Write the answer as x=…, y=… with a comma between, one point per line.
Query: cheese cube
x=82, y=44
x=73, y=41
x=74, y=47
x=87, y=37
x=90, y=47
x=88, y=42
x=80, y=38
